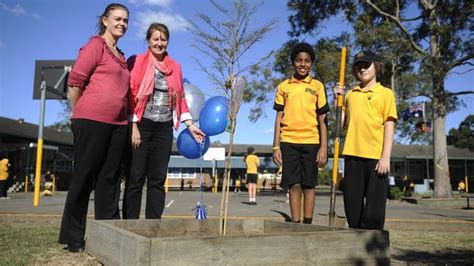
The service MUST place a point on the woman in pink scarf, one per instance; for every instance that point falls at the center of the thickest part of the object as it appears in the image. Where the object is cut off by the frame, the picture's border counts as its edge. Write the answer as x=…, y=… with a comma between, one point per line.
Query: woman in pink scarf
x=157, y=105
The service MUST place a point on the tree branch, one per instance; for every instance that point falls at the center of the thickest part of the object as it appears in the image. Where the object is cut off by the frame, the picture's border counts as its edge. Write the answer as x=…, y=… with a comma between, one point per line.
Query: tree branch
x=460, y=61
x=399, y=25
x=411, y=19
x=449, y=94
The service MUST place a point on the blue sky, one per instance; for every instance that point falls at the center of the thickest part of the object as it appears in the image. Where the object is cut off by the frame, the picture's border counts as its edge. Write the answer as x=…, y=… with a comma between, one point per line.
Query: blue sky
x=55, y=30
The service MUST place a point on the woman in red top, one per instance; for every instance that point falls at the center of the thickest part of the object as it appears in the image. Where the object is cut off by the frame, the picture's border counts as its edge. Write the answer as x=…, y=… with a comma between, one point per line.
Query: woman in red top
x=157, y=103
x=98, y=91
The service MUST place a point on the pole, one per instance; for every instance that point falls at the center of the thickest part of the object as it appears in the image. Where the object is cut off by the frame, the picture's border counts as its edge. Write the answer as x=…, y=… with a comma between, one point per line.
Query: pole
x=335, y=165
x=214, y=176
x=27, y=177
x=39, y=148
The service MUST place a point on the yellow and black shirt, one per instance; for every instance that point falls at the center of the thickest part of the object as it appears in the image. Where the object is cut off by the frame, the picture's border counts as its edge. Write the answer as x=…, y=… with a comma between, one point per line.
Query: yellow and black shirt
x=252, y=163
x=366, y=113
x=301, y=102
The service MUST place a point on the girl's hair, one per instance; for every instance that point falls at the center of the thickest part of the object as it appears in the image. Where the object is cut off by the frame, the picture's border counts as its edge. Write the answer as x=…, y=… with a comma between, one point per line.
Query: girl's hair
x=105, y=14
x=157, y=27
x=377, y=66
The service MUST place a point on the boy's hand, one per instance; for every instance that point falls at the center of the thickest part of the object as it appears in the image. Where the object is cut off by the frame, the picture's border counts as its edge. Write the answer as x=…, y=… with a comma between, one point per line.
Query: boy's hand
x=383, y=166
x=322, y=157
x=277, y=157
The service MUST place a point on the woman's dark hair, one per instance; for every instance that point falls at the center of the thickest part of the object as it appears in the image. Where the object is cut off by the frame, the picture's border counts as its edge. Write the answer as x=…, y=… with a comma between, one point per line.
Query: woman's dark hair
x=157, y=27
x=105, y=14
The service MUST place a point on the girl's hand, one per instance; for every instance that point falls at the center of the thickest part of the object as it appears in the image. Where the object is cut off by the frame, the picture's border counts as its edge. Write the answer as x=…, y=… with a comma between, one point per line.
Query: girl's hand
x=383, y=166
x=198, y=135
x=136, y=138
x=338, y=90
x=322, y=157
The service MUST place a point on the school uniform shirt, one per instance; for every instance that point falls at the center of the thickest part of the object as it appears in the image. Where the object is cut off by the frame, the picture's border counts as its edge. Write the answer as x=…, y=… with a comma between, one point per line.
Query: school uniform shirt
x=252, y=163
x=366, y=113
x=301, y=102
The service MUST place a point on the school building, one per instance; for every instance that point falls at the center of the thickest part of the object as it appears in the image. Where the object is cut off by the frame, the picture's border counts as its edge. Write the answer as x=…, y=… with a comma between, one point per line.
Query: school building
x=18, y=143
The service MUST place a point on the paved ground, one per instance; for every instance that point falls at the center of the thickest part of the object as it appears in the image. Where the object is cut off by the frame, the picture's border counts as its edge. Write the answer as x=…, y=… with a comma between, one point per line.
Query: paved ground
x=271, y=205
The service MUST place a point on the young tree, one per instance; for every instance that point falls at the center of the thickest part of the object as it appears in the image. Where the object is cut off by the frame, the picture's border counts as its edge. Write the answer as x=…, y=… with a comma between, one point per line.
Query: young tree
x=440, y=39
x=223, y=43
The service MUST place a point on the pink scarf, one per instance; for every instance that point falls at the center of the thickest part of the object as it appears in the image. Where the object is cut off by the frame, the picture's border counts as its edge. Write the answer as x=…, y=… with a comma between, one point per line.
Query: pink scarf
x=142, y=83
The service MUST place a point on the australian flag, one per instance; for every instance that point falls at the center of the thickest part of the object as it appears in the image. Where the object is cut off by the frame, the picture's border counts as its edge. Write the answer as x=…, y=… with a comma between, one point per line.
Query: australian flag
x=413, y=111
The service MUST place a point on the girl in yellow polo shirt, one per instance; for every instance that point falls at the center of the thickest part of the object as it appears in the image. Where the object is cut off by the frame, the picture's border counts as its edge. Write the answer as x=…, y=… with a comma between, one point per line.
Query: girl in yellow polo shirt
x=369, y=116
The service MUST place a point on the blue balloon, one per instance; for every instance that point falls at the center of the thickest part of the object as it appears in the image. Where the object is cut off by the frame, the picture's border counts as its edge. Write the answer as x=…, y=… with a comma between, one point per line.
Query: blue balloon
x=189, y=147
x=214, y=115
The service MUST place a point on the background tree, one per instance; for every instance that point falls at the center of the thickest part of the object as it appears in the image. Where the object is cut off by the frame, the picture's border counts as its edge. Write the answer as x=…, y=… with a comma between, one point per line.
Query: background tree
x=223, y=43
x=463, y=136
x=65, y=118
x=440, y=39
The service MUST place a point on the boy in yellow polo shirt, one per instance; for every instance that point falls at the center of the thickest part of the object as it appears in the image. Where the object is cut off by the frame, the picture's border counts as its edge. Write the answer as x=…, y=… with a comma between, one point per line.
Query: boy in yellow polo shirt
x=300, y=136
x=370, y=115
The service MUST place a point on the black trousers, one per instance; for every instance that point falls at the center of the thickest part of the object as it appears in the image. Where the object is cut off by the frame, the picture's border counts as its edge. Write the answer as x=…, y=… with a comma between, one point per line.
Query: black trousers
x=365, y=193
x=150, y=160
x=3, y=188
x=98, y=150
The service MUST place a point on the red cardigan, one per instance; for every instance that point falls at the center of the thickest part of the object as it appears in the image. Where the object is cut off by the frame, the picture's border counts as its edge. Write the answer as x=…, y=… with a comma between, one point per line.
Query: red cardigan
x=136, y=65
x=104, y=81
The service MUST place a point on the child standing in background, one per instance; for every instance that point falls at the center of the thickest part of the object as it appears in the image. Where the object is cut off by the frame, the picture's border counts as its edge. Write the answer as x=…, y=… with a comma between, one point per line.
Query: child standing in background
x=300, y=136
x=370, y=115
x=252, y=162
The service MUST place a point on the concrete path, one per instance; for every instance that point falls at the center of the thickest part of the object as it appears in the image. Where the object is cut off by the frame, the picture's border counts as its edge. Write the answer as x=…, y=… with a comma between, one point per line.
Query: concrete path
x=271, y=205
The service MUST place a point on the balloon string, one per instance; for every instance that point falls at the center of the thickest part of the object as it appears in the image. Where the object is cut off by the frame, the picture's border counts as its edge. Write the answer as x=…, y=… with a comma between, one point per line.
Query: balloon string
x=201, y=146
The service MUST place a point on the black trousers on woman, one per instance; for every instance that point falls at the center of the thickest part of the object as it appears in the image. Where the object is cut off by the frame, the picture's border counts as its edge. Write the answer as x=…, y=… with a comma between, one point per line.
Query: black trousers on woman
x=365, y=193
x=150, y=160
x=98, y=150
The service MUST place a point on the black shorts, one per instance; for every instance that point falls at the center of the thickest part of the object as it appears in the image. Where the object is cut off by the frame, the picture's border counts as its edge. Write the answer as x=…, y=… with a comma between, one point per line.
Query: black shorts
x=252, y=178
x=299, y=164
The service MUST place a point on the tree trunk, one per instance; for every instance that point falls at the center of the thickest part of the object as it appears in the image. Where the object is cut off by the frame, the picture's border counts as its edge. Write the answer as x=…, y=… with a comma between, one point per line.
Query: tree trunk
x=226, y=180
x=442, y=180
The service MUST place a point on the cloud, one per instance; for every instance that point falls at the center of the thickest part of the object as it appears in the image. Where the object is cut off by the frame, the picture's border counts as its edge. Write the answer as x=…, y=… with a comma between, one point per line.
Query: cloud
x=162, y=3
x=17, y=10
x=2, y=44
x=175, y=22
x=267, y=131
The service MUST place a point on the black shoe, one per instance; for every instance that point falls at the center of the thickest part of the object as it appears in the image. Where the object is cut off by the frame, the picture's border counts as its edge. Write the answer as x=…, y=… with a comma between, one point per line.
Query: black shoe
x=253, y=203
x=76, y=248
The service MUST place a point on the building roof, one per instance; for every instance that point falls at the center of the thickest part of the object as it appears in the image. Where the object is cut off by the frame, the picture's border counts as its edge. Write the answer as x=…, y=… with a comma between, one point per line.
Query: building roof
x=28, y=131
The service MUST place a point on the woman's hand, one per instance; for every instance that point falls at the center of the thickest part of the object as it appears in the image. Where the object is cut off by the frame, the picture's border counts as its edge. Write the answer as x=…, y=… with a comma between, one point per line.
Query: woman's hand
x=198, y=135
x=136, y=138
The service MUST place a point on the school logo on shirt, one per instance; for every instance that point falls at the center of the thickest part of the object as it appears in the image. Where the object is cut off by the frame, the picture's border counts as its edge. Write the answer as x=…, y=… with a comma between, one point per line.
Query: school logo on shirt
x=311, y=91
